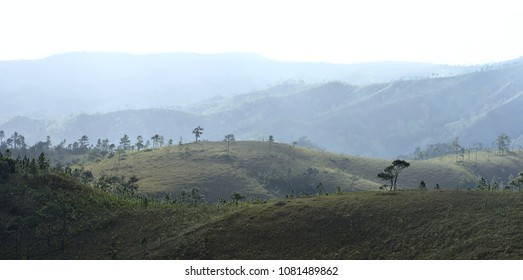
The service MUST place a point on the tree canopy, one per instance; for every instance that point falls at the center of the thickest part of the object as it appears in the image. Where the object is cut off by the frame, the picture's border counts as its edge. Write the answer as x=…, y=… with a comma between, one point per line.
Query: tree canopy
x=393, y=171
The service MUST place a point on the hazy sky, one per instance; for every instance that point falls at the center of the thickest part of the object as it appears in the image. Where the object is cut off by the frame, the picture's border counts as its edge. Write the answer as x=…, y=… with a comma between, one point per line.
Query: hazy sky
x=440, y=31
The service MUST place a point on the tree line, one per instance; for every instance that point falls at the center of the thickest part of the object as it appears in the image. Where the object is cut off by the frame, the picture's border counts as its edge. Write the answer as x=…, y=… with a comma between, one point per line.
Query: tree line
x=501, y=145
x=392, y=172
x=101, y=148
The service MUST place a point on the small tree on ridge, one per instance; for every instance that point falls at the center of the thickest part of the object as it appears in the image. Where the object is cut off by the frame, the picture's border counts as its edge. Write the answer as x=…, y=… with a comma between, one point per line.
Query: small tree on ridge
x=393, y=171
x=197, y=132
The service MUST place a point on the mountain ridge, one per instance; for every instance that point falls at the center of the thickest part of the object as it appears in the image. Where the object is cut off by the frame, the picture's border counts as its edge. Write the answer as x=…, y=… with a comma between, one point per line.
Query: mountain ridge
x=105, y=82
x=377, y=120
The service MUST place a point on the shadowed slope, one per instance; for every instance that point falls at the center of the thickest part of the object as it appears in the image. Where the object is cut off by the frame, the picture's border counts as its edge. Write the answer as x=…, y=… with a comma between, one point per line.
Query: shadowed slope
x=407, y=225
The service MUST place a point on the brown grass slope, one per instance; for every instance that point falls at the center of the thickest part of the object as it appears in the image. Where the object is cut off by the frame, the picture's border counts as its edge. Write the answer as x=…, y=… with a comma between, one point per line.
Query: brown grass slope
x=254, y=171
x=369, y=225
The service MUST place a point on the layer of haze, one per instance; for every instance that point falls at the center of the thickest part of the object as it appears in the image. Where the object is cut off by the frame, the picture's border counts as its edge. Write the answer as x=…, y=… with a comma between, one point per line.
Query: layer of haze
x=445, y=32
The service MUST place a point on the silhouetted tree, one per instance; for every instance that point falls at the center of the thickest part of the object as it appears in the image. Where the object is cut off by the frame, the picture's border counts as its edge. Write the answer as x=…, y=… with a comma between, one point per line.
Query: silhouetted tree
x=422, y=186
x=393, y=171
x=21, y=142
x=197, y=132
x=43, y=163
x=83, y=143
x=271, y=140
x=156, y=140
x=9, y=142
x=139, y=142
x=17, y=141
x=387, y=176
x=125, y=142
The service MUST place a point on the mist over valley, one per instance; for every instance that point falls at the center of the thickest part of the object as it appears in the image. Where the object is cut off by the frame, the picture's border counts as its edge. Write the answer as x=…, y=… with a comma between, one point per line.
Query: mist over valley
x=371, y=109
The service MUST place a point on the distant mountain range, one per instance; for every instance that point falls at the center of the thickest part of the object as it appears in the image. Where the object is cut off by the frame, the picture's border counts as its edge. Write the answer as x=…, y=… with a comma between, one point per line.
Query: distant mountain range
x=381, y=119
x=105, y=82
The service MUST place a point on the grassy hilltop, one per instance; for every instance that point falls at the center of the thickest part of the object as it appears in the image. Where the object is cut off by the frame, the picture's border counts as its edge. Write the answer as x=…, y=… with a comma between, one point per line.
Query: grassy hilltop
x=254, y=171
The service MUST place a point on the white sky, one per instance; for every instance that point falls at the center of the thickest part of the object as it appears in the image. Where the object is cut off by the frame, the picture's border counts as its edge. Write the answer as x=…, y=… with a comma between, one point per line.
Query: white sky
x=440, y=31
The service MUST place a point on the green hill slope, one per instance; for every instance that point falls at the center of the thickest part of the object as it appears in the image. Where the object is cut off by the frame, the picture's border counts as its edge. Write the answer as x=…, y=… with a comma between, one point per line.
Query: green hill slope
x=51, y=216
x=254, y=171
x=369, y=225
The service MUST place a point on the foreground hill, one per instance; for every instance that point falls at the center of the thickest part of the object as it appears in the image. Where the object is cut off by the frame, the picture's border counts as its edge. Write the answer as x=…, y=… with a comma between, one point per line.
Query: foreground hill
x=54, y=217
x=370, y=225
x=50, y=215
x=288, y=171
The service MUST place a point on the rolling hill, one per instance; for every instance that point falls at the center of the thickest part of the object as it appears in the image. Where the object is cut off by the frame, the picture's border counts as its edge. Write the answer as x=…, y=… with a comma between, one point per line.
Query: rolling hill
x=289, y=171
x=47, y=214
x=369, y=225
x=365, y=225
